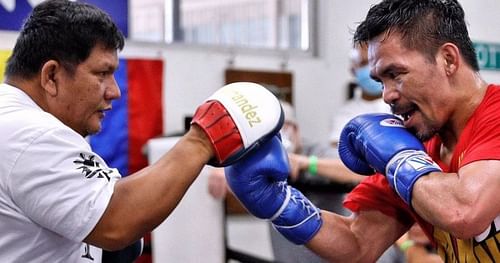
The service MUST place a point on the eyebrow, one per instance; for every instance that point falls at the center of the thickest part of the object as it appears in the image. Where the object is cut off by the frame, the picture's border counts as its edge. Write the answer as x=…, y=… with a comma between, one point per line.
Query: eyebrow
x=389, y=68
x=110, y=66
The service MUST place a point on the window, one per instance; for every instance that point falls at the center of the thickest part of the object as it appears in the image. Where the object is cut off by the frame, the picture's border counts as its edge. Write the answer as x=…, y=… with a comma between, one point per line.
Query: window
x=268, y=24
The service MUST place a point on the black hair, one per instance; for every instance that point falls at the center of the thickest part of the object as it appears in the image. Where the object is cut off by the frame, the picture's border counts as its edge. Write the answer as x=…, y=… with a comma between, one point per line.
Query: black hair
x=64, y=31
x=424, y=25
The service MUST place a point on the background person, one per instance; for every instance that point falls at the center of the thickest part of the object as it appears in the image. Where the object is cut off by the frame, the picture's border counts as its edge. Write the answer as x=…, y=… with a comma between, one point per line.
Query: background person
x=367, y=99
x=417, y=247
x=367, y=94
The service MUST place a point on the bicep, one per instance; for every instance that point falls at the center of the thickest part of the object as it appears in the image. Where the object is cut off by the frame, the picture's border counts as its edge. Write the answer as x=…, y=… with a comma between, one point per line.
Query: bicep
x=463, y=203
x=480, y=182
x=360, y=238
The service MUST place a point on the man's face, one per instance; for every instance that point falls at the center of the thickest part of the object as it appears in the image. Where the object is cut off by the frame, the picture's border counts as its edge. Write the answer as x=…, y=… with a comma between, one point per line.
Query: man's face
x=416, y=88
x=84, y=96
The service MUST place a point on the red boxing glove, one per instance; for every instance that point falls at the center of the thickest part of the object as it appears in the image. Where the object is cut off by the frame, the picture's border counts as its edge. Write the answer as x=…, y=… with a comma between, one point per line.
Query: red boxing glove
x=237, y=118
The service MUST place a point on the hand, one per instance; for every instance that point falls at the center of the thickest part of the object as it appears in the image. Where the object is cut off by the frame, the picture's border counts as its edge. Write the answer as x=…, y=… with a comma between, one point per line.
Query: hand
x=379, y=142
x=259, y=182
x=217, y=186
x=237, y=118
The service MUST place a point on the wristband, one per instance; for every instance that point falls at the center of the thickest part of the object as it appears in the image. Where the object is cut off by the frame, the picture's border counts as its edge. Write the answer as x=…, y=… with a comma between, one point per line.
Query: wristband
x=313, y=165
x=406, y=245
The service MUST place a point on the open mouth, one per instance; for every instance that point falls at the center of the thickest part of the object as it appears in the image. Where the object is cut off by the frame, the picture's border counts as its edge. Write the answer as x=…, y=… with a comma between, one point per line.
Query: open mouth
x=405, y=112
x=407, y=115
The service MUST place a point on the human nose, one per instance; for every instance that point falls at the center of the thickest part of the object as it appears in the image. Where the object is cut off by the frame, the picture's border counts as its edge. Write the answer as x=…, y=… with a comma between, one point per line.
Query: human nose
x=112, y=90
x=390, y=94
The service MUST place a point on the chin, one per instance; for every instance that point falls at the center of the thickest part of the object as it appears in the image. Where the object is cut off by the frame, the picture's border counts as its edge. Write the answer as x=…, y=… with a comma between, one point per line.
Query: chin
x=93, y=130
x=423, y=137
x=425, y=134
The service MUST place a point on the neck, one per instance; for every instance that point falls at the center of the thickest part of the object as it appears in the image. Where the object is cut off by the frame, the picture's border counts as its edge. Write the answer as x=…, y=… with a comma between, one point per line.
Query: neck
x=468, y=98
x=31, y=87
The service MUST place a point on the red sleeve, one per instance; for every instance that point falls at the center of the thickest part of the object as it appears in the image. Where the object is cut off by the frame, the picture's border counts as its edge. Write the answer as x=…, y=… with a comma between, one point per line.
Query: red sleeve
x=374, y=193
x=483, y=142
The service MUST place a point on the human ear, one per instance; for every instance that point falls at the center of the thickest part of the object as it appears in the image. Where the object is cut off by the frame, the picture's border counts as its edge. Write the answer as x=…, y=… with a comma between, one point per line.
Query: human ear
x=451, y=58
x=48, y=78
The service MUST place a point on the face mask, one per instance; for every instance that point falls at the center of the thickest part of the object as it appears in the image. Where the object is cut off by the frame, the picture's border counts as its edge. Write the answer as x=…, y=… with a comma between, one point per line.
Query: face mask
x=366, y=83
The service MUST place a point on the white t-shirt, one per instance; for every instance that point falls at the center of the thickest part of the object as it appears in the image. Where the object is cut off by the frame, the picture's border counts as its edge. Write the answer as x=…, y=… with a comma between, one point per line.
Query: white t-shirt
x=353, y=108
x=53, y=188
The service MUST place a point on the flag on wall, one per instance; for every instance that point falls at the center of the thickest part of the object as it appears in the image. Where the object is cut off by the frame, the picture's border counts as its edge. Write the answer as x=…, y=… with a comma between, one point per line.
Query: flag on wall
x=4, y=55
x=135, y=118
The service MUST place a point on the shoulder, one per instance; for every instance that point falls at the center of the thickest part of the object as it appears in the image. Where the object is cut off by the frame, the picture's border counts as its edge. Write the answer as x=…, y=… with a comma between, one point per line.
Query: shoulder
x=486, y=114
x=26, y=127
x=21, y=115
x=34, y=123
x=491, y=100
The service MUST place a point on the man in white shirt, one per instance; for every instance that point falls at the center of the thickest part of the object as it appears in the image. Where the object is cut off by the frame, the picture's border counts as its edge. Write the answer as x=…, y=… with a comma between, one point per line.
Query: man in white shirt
x=59, y=201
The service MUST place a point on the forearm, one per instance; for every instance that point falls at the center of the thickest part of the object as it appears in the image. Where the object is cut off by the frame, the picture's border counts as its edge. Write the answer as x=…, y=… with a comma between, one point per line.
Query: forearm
x=360, y=238
x=337, y=171
x=141, y=201
x=335, y=241
x=457, y=203
x=332, y=168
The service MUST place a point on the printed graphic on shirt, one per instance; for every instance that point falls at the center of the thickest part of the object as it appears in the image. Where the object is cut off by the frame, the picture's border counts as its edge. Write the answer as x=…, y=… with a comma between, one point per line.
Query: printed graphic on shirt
x=482, y=248
x=86, y=254
x=92, y=168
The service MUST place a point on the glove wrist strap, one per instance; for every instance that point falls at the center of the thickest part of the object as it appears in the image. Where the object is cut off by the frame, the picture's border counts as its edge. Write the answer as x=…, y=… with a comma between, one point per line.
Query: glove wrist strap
x=288, y=193
x=300, y=220
x=405, y=168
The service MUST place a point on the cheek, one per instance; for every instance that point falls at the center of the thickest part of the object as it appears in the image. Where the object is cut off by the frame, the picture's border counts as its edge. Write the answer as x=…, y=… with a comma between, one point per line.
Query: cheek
x=424, y=84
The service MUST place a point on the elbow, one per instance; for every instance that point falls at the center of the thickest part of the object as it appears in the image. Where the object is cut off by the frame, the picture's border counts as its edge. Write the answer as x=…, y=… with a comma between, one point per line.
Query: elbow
x=112, y=240
x=115, y=245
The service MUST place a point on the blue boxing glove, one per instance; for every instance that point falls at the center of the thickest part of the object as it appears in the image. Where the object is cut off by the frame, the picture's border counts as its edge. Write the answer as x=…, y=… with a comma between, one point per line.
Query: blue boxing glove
x=379, y=142
x=259, y=182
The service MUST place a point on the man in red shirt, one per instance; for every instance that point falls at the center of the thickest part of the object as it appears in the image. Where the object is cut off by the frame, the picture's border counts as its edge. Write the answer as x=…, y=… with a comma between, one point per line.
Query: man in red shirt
x=421, y=52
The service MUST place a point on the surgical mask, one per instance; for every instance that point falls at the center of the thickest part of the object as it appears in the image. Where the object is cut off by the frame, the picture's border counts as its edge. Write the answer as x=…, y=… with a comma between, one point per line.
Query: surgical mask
x=366, y=83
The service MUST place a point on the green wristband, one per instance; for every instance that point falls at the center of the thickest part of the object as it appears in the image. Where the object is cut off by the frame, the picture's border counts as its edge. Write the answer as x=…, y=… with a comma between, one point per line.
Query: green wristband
x=313, y=165
x=406, y=245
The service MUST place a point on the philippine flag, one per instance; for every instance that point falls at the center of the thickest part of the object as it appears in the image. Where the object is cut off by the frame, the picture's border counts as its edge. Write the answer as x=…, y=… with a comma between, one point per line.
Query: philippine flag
x=135, y=118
